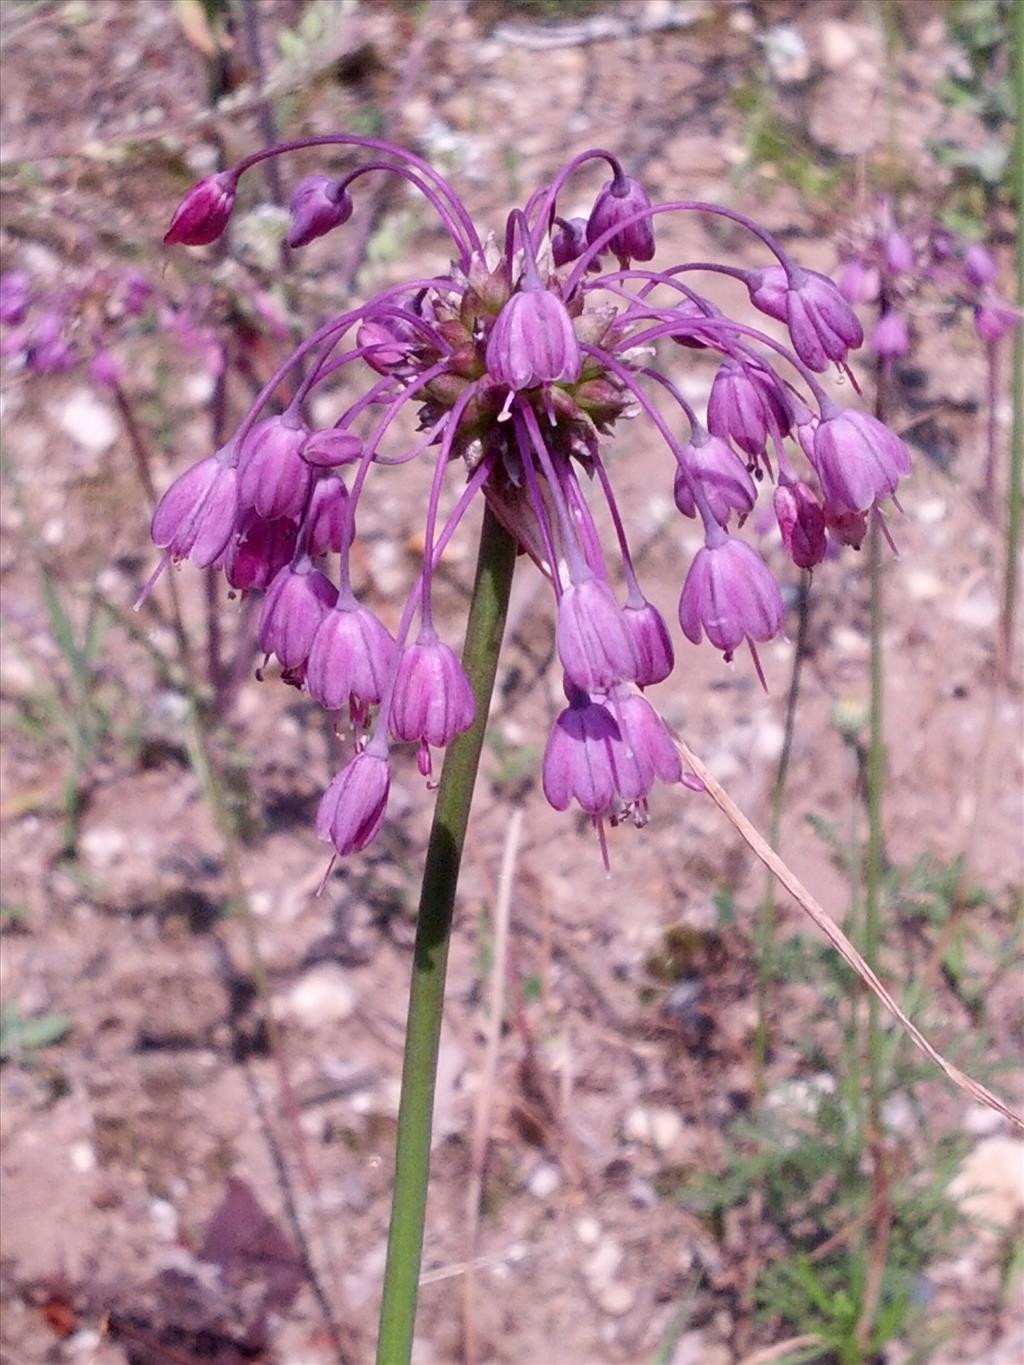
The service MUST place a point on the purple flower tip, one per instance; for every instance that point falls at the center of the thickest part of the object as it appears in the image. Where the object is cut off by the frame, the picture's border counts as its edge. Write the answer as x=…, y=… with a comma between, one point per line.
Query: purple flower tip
x=15, y=297
x=594, y=642
x=331, y=447
x=858, y=459
x=898, y=253
x=352, y=808
x=196, y=516
x=619, y=200
x=317, y=205
x=570, y=241
x=205, y=211
x=801, y=524
x=328, y=515
x=433, y=700
x=731, y=595
x=258, y=551
x=532, y=342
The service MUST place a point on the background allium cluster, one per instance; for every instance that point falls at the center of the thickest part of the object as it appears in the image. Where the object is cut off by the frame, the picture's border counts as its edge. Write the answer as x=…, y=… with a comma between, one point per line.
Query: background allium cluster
x=519, y=363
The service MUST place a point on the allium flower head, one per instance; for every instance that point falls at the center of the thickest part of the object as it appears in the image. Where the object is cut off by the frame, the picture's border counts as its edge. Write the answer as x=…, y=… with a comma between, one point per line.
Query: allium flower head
x=517, y=365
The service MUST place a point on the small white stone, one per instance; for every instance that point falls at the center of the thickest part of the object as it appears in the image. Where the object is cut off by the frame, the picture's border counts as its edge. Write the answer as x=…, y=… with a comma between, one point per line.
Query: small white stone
x=603, y=1263
x=979, y=610
x=931, y=511
x=544, y=1180
x=82, y=1157
x=617, y=1299
x=164, y=1217
x=89, y=422
x=103, y=845
x=199, y=388
x=923, y=586
x=588, y=1231
x=836, y=44
x=990, y=1184
x=768, y=739
x=981, y=1121
x=322, y=995
x=636, y=1126
x=666, y=1128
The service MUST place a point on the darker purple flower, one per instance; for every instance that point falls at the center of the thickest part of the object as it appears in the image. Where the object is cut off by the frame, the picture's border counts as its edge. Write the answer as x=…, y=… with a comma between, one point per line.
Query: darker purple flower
x=621, y=199
x=433, y=700
x=331, y=447
x=384, y=347
x=296, y=602
x=328, y=516
x=721, y=474
x=594, y=642
x=650, y=637
x=570, y=241
x=858, y=460
x=532, y=342
x=349, y=661
x=801, y=524
x=317, y=205
x=205, y=211
x=730, y=595
x=352, y=808
x=273, y=476
x=196, y=516
x=578, y=758
x=258, y=551
x=747, y=406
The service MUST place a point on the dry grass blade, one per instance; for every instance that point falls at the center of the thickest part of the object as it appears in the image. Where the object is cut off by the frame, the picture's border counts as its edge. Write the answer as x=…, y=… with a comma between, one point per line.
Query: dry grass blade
x=836, y=937
x=772, y=1355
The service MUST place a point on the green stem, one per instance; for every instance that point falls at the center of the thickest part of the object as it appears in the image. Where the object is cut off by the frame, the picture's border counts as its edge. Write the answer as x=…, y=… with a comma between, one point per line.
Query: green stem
x=495, y=563
x=765, y=934
x=1013, y=523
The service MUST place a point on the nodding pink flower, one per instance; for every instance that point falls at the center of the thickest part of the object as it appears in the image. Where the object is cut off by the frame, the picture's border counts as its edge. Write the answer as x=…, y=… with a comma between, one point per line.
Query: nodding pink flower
x=822, y=325
x=570, y=241
x=273, y=476
x=433, y=700
x=727, y=485
x=331, y=447
x=317, y=205
x=643, y=752
x=994, y=320
x=349, y=660
x=205, y=211
x=890, y=340
x=858, y=282
x=594, y=642
x=979, y=266
x=801, y=524
x=730, y=595
x=15, y=297
x=578, y=757
x=258, y=551
x=196, y=516
x=352, y=808
x=858, y=460
x=650, y=637
x=532, y=342
x=328, y=516
x=619, y=200
x=296, y=602
x=387, y=348
x=747, y=406
x=898, y=253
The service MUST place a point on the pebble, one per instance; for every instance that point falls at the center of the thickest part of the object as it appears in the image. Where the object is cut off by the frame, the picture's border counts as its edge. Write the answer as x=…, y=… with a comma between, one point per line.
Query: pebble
x=602, y=1264
x=82, y=1157
x=103, y=846
x=616, y=1300
x=544, y=1180
x=164, y=1217
x=837, y=45
x=990, y=1184
x=979, y=610
x=89, y=422
x=322, y=995
x=657, y=1127
x=588, y=1231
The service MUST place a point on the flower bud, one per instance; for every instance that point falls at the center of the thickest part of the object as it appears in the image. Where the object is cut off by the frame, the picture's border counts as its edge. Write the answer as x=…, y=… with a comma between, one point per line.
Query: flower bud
x=650, y=637
x=204, y=213
x=532, y=342
x=386, y=348
x=331, y=447
x=594, y=642
x=352, y=808
x=317, y=205
x=349, y=661
x=731, y=595
x=801, y=524
x=273, y=476
x=858, y=460
x=619, y=200
x=196, y=516
x=296, y=602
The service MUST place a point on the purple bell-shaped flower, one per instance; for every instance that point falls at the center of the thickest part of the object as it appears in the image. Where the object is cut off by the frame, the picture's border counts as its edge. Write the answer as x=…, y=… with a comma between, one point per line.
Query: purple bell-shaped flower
x=747, y=406
x=352, y=808
x=296, y=602
x=204, y=213
x=726, y=483
x=273, y=476
x=258, y=550
x=594, y=642
x=349, y=660
x=650, y=637
x=317, y=205
x=859, y=461
x=621, y=199
x=801, y=524
x=729, y=595
x=196, y=516
x=532, y=342
x=578, y=762
x=433, y=700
